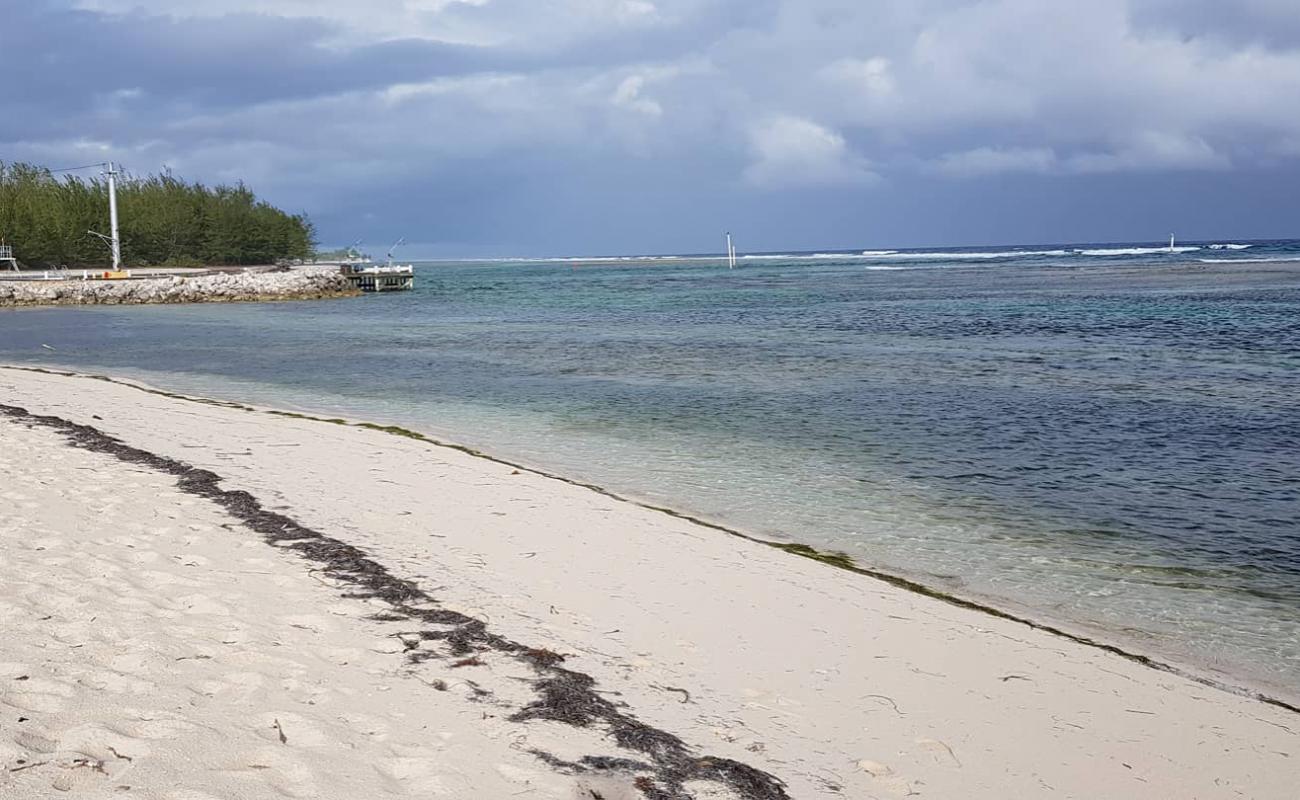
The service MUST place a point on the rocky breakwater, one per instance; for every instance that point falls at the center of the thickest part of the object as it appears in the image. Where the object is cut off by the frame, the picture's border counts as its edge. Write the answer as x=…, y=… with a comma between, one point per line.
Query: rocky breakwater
x=227, y=287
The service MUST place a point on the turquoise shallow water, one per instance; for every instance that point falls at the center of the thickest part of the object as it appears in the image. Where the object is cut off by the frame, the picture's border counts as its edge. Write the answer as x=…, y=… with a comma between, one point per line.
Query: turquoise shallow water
x=1107, y=436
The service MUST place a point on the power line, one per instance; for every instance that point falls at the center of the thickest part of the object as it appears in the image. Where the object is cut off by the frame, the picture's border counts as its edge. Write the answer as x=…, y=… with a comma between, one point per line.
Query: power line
x=84, y=166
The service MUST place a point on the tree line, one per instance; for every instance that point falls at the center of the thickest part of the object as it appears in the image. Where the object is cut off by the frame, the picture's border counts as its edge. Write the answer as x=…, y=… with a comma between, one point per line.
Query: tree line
x=164, y=221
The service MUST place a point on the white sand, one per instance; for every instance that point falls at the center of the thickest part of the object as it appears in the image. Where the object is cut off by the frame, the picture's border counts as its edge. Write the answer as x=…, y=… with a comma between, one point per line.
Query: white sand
x=153, y=641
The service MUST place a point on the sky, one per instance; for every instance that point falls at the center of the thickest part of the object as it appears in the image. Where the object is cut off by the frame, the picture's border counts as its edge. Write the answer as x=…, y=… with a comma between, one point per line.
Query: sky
x=586, y=127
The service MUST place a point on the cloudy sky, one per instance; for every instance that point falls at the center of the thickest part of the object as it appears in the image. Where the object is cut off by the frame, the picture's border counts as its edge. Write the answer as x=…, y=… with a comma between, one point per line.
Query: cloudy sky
x=537, y=127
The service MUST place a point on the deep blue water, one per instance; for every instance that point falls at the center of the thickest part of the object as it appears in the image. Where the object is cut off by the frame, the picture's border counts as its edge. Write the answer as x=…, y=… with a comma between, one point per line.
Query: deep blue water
x=1107, y=439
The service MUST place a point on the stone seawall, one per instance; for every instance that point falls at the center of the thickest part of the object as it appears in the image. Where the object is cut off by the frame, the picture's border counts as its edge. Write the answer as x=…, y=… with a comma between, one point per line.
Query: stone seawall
x=297, y=284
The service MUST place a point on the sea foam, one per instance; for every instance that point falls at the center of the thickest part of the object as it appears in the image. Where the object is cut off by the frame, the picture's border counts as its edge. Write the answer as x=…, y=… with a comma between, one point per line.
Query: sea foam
x=962, y=256
x=1248, y=260
x=1135, y=251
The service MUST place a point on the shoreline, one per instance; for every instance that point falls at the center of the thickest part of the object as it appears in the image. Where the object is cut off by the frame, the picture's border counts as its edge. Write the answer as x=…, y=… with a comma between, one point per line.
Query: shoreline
x=564, y=640
x=1022, y=615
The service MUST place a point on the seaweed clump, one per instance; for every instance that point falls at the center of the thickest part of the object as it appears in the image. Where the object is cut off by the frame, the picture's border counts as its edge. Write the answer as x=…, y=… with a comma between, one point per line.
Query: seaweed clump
x=834, y=558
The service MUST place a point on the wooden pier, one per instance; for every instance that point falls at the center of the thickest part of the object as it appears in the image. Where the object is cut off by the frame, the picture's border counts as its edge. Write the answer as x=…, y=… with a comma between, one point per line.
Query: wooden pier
x=380, y=279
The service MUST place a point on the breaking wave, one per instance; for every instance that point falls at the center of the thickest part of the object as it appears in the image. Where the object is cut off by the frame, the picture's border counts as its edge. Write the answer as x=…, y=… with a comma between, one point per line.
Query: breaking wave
x=1135, y=251
x=1248, y=260
x=973, y=256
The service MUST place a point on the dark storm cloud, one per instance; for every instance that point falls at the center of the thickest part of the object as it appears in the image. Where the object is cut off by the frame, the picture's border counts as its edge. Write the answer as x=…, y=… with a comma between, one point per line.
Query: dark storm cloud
x=62, y=60
x=568, y=125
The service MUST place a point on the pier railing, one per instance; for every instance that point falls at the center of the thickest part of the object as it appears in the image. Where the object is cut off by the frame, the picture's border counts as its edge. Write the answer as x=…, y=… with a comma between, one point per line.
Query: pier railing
x=380, y=279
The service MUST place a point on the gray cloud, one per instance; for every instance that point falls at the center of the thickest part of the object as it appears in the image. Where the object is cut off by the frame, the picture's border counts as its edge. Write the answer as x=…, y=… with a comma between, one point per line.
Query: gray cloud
x=483, y=124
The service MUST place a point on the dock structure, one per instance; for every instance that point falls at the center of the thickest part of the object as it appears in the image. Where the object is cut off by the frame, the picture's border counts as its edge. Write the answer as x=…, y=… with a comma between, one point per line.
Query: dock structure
x=7, y=260
x=380, y=279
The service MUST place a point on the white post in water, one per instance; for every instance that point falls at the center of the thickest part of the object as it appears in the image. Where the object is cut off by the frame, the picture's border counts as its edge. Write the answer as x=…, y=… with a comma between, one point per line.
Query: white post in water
x=115, y=243
x=1171, y=243
x=731, y=253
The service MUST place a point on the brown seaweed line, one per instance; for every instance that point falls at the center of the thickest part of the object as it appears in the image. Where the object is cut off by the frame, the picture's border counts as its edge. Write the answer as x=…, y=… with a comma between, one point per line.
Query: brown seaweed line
x=563, y=695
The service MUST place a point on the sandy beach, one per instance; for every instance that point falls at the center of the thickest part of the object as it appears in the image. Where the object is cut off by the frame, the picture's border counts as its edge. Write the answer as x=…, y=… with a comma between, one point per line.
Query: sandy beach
x=210, y=601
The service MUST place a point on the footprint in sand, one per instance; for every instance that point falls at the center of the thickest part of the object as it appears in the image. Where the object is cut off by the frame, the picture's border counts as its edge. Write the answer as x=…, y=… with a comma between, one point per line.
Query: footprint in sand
x=366, y=725
x=148, y=726
x=415, y=774
x=290, y=729
x=99, y=743
x=12, y=669
x=938, y=751
x=202, y=604
x=36, y=694
x=311, y=623
x=134, y=664
x=36, y=742
x=116, y=682
x=78, y=774
x=273, y=766
x=886, y=778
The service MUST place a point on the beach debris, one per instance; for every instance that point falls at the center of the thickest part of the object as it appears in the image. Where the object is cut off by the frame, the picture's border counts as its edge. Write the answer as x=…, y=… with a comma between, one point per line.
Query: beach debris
x=686, y=696
x=279, y=729
x=889, y=700
x=118, y=755
x=89, y=763
x=473, y=661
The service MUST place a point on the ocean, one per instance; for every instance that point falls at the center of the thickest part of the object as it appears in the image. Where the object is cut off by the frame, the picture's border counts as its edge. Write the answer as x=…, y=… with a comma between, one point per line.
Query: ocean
x=1105, y=436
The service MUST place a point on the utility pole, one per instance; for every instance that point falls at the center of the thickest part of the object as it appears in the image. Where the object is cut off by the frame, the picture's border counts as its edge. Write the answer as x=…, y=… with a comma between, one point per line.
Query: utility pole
x=115, y=243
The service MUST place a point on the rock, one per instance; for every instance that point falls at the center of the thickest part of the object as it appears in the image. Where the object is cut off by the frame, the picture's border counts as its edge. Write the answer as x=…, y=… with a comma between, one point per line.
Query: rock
x=310, y=283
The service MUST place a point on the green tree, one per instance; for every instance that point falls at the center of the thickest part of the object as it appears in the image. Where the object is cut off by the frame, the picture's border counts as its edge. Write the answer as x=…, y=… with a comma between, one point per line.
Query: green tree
x=164, y=221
